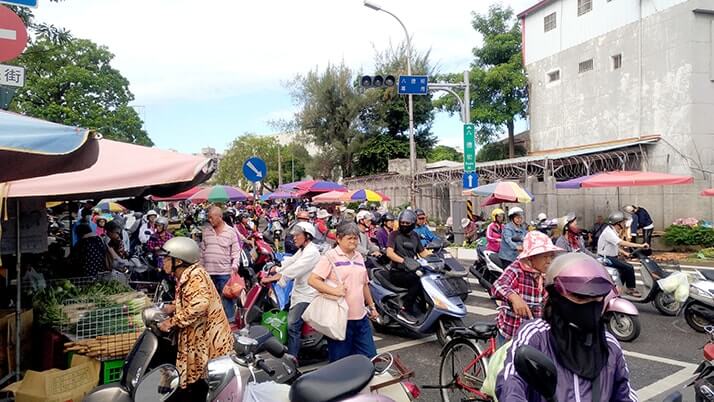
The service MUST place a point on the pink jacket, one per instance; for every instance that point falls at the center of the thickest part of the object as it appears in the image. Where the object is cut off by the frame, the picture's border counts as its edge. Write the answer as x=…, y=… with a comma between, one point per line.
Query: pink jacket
x=493, y=236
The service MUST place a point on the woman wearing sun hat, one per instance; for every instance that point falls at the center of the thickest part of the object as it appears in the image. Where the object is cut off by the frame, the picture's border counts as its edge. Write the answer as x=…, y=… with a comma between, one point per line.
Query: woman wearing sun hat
x=520, y=287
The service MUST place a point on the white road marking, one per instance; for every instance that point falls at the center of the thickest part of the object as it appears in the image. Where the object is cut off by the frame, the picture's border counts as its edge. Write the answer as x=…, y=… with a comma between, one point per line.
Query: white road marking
x=480, y=310
x=8, y=34
x=376, y=338
x=650, y=391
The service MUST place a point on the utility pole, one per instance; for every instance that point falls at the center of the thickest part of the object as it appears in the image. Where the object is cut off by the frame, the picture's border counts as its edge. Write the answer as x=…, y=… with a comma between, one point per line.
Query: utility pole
x=280, y=167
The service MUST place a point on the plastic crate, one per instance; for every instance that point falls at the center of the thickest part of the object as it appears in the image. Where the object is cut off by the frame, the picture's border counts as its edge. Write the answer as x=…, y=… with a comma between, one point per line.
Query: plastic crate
x=112, y=370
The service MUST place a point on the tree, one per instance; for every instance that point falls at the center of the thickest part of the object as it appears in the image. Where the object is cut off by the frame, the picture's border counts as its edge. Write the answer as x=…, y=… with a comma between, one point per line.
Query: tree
x=230, y=168
x=444, y=153
x=496, y=151
x=330, y=109
x=72, y=82
x=497, y=81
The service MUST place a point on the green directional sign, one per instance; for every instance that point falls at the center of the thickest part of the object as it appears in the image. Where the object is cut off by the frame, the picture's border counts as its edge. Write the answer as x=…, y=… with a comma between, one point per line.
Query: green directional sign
x=469, y=148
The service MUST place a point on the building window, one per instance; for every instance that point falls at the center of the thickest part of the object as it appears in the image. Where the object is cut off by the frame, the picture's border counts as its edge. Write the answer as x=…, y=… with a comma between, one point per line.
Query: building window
x=554, y=76
x=584, y=6
x=549, y=22
x=616, y=61
x=585, y=66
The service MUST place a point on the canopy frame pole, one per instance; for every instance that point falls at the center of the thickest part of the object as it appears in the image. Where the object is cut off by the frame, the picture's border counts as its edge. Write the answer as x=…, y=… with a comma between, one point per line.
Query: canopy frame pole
x=18, y=286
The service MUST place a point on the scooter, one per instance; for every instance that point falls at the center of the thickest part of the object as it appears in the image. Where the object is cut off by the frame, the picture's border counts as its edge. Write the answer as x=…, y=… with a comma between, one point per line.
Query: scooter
x=621, y=317
x=156, y=350
x=487, y=268
x=445, y=307
x=699, y=308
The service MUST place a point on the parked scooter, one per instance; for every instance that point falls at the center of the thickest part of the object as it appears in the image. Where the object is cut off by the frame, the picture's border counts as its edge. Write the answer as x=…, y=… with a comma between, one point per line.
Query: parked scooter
x=487, y=268
x=445, y=307
x=699, y=308
x=703, y=383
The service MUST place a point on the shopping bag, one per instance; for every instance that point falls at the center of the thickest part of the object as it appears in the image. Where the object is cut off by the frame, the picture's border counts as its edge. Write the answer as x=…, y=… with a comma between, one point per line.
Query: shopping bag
x=267, y=391
x=328, y=314
x=277, y=322
x=233, y=287
x=495, y=365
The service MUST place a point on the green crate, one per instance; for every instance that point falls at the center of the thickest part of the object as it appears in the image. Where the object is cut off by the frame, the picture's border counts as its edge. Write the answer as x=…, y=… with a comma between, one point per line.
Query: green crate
x=112, y=370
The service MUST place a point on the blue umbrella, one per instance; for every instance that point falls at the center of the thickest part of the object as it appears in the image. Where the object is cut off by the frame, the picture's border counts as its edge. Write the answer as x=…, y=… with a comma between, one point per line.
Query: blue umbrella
x=32, y=147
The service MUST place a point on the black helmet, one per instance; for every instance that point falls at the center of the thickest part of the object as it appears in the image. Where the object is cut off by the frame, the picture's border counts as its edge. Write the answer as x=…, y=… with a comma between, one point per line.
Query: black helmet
x=388, y=217
x=615, y=218
x=376, y=217
x=407, y=221
x=419, y=211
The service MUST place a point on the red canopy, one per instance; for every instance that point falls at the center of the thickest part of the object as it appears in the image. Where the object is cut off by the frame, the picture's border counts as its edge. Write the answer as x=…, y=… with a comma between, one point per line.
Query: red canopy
x=121, y=170
x=633, y=178
x=708, y=193
x=184, y=195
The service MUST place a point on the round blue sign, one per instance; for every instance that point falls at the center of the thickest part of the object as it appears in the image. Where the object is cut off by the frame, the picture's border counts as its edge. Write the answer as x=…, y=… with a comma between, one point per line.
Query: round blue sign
x=254, y=169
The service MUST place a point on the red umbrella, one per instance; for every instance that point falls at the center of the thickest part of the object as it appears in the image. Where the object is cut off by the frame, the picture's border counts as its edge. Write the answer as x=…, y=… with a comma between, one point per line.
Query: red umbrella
x=626, y=178
x=708, y=193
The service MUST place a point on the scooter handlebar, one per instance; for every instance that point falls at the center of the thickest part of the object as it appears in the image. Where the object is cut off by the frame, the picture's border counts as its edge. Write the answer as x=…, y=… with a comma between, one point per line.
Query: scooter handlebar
x=261, y=365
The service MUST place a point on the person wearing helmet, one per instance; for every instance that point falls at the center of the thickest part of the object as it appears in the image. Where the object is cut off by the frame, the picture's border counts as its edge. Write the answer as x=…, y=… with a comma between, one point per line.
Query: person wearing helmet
x=641, y=219
x=470, y=230
x=513, y=234
x=609, y=247
x=571, y=237
x=298, y=268
x=289, y=243
x=402, y=244
x=422, y=228
x=366, y=247
x=521, y=285
x=148, y=226
x=203, y=329
x=494, y=231
x=321, y=225
x=157, y=240
x=589, y=361
x=385, y=228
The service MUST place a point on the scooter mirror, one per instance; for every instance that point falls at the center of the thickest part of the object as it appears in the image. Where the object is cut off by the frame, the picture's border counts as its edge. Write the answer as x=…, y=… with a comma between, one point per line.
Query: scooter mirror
x=537, y=369
x=158, y=385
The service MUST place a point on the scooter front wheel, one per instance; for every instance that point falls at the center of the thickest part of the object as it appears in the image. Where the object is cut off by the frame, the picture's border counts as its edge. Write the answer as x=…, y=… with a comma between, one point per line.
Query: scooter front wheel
x=696, y=321
x=624, y=327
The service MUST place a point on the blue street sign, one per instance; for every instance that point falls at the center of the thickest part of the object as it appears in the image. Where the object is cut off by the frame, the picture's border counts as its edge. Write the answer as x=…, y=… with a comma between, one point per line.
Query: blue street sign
x=413, y=85
x=22, y=3
x=470, y=180
x=254, y=169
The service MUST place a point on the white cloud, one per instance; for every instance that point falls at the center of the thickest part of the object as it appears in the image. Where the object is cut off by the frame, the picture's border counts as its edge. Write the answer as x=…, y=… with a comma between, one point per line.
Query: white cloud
x=178, y=49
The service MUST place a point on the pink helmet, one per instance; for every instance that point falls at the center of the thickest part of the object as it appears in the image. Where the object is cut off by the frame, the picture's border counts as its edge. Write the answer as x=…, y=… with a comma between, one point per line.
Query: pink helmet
x=579, y=274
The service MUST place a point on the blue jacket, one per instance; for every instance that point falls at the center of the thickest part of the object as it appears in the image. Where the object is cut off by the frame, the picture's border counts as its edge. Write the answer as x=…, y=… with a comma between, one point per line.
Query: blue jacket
x=425, y=234
x=508, y=250
x=614, y=378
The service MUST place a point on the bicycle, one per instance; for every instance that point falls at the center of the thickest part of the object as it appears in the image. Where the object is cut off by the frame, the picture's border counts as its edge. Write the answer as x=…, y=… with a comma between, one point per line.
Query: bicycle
x=464, y=384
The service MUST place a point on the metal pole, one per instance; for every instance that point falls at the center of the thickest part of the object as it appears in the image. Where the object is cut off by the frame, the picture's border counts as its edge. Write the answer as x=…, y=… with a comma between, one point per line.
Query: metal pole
x=280, y=168
x=467, y=98
x=18, y=287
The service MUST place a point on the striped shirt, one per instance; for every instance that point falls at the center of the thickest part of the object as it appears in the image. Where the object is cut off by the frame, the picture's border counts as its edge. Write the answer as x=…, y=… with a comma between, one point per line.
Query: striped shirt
x=220, y=252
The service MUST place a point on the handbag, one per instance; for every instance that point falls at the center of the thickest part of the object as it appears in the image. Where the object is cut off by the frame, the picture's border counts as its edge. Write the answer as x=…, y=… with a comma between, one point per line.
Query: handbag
x=327, y=314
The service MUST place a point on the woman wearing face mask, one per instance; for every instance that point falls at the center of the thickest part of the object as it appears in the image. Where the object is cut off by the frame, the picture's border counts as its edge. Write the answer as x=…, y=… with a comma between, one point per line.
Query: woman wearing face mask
x=589, y=360
x=512, y=239
x=571, y=239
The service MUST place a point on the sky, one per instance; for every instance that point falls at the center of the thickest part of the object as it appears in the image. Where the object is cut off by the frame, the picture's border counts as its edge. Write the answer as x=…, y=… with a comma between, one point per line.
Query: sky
x=205, y=74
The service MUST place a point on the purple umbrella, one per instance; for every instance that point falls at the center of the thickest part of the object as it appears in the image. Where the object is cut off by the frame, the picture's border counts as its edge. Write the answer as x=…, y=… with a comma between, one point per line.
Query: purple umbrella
x=572, y=183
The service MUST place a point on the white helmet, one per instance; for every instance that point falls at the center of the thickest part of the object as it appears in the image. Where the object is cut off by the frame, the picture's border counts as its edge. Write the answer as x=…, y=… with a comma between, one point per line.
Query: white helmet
x=542, y=216
x=364, y=215
x=465, y=222
x=515, y=211
x=304, y=227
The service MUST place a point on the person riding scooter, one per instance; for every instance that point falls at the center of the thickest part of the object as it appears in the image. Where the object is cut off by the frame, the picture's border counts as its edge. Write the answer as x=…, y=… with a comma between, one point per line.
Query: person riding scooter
x=494, y=231
x=608, y=248
x=403, y=247
x=422, y=227
x=203, y=329
x=571, y=239
x=386, y=227
x=298, y=268
x=512, y=240
x=290, y=247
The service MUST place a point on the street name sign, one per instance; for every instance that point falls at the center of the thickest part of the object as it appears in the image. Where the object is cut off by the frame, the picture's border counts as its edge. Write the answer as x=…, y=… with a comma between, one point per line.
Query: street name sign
x=413, y=85
x=12, y=76
x=13, y=35
x=469, y=148
x=254, y=169
x=21, y=3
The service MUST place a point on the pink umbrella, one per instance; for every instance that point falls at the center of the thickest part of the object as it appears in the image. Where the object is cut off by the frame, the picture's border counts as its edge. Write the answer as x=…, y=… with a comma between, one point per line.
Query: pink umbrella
x=626, y=178
x=708, y=193
x=329, y=197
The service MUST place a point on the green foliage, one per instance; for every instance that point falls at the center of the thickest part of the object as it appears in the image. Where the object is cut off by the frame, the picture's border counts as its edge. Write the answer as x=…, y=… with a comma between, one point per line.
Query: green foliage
x=444, y=153
x=705, y=254
x=72, y=82
x=497, y=79
x=497, y=151
x=230, y=169
x=377, y=151
x=680, y=235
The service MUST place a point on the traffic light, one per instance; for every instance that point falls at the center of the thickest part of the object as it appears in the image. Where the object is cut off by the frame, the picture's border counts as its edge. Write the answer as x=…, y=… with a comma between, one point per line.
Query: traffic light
x=377, y=81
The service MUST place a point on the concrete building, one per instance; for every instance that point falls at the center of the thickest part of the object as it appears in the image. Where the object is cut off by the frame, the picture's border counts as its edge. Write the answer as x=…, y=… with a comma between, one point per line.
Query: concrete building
x=608, y=70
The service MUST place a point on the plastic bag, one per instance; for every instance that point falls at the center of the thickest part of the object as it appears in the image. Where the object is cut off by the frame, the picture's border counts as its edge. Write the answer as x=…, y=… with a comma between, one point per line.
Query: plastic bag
x=282, y=293
x=495, y=365
x=676, y=283
x=277, y=322
x=233, y=287
x=267, y=391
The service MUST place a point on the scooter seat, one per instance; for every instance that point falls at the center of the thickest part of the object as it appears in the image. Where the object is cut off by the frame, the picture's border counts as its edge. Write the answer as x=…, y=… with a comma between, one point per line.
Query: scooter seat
x=338, y=380
x=496, y=259
x=709, y=275
x=382, y=276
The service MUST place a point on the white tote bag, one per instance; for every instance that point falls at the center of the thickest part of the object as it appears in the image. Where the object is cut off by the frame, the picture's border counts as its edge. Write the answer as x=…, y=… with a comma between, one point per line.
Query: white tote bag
x=328, y=314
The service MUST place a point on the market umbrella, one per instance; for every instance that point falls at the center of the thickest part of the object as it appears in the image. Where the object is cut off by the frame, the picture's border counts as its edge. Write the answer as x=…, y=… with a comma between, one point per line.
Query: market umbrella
x=365, y=195
x=330, y=197
x=220, y=194
x=501, y=191
x=184, y=195
x=278, y=195
x=708, y=193
x=110, y=207
x=625, y=178
x=31, y=147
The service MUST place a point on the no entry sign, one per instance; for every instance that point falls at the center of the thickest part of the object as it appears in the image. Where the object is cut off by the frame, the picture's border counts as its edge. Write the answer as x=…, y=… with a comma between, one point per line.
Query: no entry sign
x=13, y=35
